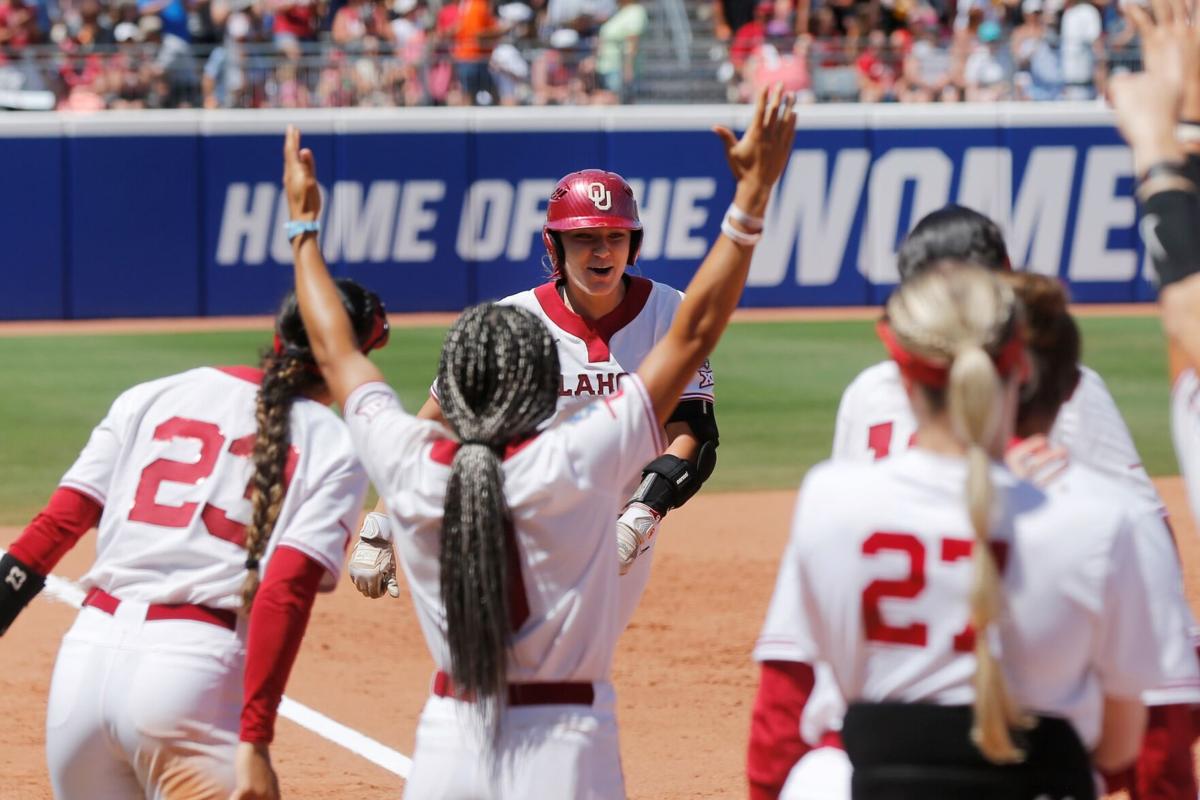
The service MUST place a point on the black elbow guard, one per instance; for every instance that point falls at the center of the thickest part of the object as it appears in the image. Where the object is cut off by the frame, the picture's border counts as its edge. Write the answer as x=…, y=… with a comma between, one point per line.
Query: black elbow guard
x=18, y=585
x=670, y=481
x=1171, y=234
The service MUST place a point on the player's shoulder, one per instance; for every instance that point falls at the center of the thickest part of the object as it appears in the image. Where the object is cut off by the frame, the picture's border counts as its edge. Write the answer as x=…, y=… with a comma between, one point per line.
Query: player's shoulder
x=838, y=485
x=1091, y=383
x=885, y=373
x=146, y=392
x=661, y=297
x=526, y=299
x=1086, y=499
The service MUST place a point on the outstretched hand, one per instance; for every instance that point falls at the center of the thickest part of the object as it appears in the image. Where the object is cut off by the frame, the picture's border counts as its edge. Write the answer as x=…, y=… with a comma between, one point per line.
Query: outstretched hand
x=1149, y=104
x=300, y=178
x=763, y=151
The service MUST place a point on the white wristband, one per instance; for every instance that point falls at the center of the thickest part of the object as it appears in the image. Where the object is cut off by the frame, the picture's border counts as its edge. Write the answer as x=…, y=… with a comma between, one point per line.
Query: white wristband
x=739, y=237
x=1187, y=133
x=737, y=215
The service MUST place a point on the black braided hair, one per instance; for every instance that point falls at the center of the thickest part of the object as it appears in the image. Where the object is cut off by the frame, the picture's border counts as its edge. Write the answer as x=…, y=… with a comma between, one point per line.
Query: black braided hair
x=497, y=380
x=289, y=371
x=953, y=233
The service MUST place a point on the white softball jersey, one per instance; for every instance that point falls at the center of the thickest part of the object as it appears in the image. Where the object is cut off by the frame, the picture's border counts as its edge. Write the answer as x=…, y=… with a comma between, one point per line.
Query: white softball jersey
x=171, y=464
x=874, y=419
x=562, y=487
x=593, y=358
x=880, y=590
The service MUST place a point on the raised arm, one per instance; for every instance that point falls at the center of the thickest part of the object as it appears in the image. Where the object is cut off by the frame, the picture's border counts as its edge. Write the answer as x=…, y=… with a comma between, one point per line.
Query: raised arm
x=756, y=160
x=330, y=332
x=1148, y=107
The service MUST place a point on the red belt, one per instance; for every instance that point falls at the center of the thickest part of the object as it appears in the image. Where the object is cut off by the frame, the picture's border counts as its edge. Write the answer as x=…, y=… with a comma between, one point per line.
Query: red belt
x=526, y=694
x=222, y=618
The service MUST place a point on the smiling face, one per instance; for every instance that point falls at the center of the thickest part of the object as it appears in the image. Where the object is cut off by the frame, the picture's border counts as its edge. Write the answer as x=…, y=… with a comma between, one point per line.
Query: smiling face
x=595, y=260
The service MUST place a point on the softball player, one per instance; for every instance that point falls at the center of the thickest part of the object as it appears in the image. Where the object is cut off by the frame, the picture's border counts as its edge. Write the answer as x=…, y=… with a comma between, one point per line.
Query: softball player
x=167, y=684
x=505, y=527
x=914, y=636
x=873, y=418
x=604, y=322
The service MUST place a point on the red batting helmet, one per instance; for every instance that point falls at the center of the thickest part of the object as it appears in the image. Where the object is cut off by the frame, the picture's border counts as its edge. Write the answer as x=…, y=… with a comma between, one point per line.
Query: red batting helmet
x=590, y=198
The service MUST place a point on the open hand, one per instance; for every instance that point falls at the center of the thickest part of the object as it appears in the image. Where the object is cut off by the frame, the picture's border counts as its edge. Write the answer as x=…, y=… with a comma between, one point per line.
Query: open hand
x=300, y=178
x=764, y=149
x=1037, y=460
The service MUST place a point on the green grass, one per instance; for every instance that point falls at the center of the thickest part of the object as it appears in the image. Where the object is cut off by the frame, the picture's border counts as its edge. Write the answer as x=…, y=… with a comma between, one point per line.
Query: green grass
x=778, y=385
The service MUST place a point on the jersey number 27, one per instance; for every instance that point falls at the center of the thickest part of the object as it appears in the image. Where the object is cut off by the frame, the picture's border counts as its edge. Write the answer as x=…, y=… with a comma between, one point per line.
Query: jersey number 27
x=915, y=634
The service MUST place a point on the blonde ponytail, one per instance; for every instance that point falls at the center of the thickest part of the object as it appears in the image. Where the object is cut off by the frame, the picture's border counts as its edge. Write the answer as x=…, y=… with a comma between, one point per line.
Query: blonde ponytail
x=973, y=400
x=961, y=318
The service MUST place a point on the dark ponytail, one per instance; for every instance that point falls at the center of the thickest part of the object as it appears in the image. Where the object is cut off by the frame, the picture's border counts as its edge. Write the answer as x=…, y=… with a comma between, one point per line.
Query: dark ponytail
x=498, y=379
x=284, y=377
x=289, y=371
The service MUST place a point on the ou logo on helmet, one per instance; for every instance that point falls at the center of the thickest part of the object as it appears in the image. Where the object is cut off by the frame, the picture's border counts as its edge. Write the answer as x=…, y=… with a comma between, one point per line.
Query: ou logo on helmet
x=600, y=196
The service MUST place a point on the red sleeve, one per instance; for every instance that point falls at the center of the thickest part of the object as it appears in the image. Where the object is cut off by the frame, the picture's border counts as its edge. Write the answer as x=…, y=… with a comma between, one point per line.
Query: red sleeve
x=1165, y=770
x=775, y=743
x=54, y=531
x=277, y=621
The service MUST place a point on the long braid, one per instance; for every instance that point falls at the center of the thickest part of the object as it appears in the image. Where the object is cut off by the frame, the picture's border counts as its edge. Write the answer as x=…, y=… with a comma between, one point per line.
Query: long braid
x=289, y=370
x=962, y=316
x=497, y=380
x=284, y=377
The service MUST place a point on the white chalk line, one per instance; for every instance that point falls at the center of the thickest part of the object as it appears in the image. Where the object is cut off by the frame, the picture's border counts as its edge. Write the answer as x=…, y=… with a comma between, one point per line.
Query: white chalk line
x=377, y=753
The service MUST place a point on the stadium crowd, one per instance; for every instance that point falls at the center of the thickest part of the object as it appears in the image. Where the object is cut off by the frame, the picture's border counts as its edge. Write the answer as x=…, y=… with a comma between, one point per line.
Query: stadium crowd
x=95, y=54
x=925, y=50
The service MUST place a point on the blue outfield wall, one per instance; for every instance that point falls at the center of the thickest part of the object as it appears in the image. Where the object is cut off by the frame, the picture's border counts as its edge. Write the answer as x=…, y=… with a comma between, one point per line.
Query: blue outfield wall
x=180, y=213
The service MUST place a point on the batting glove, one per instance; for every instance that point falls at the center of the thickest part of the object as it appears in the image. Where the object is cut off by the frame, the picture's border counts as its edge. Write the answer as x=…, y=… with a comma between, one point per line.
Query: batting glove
x=635, y=528
x=373, y=563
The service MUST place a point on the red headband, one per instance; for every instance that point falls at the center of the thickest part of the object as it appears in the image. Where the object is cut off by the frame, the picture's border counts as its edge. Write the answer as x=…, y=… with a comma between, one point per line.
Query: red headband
x=936, y=375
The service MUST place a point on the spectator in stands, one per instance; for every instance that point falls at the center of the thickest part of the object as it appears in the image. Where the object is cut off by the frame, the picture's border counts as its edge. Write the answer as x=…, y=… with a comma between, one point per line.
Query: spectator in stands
x=618, y=52
x=92, y=29
x=878, y=69
x=18, y=26
x=927, y=63
x=123, y=85
x=826, y=47
x=225, y=82
x=583, y=16
x=1081, y=47
x=729, y=16
x=410, y=39
x=171, y=74
x=476, y=33
x=987, y=72
x=296, y=23
x=1038, y=75
x=357, y=20
x=751, y=35
x=771, y=65
x=408, y=30
x=172, y=16
x=510, y=75
x=286, y=89
x=553, y=74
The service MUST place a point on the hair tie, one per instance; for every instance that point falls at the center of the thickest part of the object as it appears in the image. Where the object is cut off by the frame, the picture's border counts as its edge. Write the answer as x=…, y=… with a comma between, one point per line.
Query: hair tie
x=252, y=563
x=475, y=441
